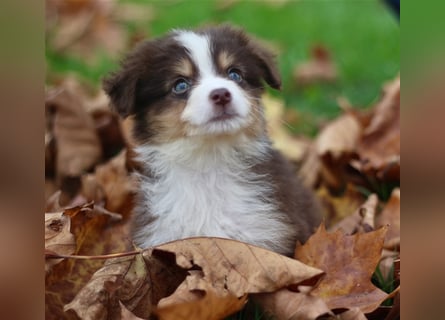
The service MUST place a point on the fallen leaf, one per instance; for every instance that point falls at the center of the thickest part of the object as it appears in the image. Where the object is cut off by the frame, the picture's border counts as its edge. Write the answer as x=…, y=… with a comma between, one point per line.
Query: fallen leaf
x=84, y=27
x=127, y=314
x=288, y=305
x=137, y=281
x=352, y=314
x=209, y=307
x=362, y=220
x=319, y=67
x=111, y=184
x=58, y=236
x=390, y=216
x=379, y=147
x=336, y=145
x=349, y=262
x=77, y=144
x=237, y=267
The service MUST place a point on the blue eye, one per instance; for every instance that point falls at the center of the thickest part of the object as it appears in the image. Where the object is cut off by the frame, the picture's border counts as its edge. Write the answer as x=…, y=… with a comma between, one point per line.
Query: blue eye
x=235, y=75
x=181, y=86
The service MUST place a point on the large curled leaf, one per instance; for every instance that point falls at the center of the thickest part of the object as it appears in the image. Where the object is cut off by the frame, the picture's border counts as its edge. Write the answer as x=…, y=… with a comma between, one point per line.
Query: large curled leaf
x=349, y=262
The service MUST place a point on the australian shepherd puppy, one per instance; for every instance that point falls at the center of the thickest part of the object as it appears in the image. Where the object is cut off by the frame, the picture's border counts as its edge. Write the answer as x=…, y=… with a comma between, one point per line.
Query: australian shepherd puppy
x=208, y=166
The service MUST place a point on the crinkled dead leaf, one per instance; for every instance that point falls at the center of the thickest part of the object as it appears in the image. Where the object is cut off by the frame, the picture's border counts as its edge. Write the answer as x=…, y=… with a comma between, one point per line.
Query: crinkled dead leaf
x=221, y=266
x=336, y=145
x=127, y=314
x=292, y=147
x=111, y=183
x=77, y=144
x=209, y=307
x=84, y=27
x=288, y=305
x=390, y=216
x=319, y=68
x=97, y=232
x=236, y=267
x=58, y=236
x=349, y=262
x=362, y=220
x=352, y=314
x=379, y=147
x=137, y=281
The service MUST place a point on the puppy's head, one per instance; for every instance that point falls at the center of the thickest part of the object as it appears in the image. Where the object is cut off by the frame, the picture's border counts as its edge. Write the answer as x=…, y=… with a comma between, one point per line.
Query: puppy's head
x=194, y=83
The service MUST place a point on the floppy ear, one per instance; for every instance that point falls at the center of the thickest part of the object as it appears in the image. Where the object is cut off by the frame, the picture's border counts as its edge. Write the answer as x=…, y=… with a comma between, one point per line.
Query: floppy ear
x=121, y=88
x=270, y=69
x=266, y=61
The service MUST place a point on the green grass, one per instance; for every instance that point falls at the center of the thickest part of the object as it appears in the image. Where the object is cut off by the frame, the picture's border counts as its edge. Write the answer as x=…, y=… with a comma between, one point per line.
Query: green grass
x=363, y=37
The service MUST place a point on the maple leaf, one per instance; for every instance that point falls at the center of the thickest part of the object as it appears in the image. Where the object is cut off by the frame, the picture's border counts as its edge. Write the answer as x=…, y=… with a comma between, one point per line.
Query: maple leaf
x=349, y=262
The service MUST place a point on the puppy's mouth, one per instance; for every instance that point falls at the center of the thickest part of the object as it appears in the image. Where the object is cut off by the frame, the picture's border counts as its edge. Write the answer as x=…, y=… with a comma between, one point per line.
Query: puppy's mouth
x=224, y=116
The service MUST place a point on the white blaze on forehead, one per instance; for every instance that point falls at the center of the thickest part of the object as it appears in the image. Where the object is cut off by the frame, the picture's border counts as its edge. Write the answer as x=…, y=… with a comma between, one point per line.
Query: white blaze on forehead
x=199, y=49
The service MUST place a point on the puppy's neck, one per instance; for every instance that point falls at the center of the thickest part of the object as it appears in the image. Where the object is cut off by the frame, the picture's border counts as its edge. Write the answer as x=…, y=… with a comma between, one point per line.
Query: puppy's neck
x=204, y=154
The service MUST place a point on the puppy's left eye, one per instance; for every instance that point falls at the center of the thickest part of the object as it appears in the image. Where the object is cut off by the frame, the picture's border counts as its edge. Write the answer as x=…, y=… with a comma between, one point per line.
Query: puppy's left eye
x=181, y=86
x=235, y=75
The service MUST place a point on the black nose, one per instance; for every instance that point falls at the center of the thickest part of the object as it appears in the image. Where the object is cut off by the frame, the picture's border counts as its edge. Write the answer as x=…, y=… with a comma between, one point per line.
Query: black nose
x=220, y=96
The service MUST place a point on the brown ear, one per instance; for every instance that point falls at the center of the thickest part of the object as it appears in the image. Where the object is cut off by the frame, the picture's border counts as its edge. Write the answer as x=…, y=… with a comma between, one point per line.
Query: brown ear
x=266, y=61
x=121, y=88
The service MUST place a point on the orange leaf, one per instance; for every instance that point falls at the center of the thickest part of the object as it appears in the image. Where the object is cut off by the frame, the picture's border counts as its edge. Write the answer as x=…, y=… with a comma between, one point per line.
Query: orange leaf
x=349, y=262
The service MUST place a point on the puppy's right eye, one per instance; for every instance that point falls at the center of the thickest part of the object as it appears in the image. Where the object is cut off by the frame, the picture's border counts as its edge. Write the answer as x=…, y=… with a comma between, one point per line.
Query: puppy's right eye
x=181, y=86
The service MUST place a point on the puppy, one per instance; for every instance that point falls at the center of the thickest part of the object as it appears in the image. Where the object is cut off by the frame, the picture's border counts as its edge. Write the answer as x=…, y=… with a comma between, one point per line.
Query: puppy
x=208, y=166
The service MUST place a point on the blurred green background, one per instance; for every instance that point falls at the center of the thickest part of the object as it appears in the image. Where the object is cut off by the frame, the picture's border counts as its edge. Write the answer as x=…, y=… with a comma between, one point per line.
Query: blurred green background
x=362, y=37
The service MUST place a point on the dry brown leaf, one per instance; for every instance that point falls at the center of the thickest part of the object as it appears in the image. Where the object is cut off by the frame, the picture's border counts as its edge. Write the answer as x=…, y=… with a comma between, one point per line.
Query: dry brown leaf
x=82, y=26
x=336, y=145
x=319, y=68
x=339, y=137
x=77, y=144
x=292, y=147
x=288, y=305
x=349, y=262
x=210, y=307
x=237, y=268
x=111, y=183
x=127, y=314
x=390, y=216
x=228, y=268
x=362, y=220
x=97, y=232
x=58, y=236
x=352, y=314
x=379, y=148
x=137, y=281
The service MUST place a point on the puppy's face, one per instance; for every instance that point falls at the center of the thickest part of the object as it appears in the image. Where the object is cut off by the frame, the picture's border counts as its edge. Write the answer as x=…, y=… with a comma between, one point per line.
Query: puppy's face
x=204, y=83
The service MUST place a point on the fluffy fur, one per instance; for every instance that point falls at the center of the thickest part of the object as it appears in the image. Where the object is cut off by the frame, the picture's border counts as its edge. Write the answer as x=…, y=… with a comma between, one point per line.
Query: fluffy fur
x=208, y=167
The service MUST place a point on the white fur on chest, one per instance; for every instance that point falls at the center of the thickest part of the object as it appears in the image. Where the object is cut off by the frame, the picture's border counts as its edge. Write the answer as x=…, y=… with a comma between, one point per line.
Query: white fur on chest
x=207, y=191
